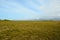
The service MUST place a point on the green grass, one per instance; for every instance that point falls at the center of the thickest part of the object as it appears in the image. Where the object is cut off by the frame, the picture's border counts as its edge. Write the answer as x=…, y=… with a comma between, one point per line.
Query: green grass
x=29, y=30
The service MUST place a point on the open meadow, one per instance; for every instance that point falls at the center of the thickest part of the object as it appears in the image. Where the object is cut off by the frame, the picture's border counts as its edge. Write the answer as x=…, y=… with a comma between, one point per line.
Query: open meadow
x=29, y=30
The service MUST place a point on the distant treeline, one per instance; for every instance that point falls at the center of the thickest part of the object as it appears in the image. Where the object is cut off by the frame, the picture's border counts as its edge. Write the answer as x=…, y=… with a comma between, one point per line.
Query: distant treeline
x=4, y=20
x=26, y=20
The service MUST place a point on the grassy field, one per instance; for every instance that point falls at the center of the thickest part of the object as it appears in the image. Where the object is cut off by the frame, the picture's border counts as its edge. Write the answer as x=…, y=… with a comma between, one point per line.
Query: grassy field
x=29, y=30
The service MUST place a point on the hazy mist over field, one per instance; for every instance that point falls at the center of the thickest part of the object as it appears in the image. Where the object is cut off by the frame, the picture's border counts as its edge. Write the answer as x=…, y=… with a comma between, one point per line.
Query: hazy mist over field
x=29, y=9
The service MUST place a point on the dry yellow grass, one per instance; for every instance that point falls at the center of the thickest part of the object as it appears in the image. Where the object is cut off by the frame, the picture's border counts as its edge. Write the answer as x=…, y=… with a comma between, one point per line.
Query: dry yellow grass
x=29, y=30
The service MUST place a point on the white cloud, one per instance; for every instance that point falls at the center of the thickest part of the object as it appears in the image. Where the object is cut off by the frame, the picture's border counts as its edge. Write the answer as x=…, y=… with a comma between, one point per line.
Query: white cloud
x=14, y=7
x=52, y=9
x=48, y=8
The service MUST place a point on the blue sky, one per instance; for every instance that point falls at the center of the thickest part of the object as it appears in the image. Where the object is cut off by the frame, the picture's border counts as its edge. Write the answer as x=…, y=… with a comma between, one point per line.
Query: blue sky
x=29, y=9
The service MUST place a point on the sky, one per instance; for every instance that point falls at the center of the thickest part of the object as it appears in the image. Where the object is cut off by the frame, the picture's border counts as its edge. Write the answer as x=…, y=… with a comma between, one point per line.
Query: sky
x=29, y=9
